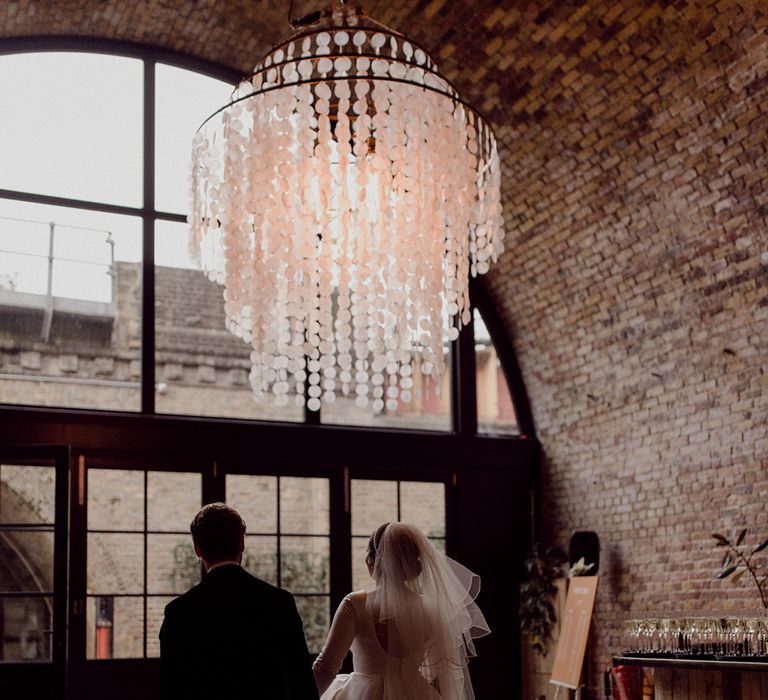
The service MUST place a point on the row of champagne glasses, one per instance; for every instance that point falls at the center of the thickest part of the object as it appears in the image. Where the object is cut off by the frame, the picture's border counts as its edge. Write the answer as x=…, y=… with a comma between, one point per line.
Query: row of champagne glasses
x=704, y=634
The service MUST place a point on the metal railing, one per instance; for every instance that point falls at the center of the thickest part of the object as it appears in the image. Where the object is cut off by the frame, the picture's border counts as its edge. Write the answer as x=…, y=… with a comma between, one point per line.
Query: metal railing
x=48, y=306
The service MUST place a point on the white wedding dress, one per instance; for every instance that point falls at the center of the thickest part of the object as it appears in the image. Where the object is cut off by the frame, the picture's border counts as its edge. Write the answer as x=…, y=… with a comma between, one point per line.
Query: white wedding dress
x=377, y=673
x=412, y=634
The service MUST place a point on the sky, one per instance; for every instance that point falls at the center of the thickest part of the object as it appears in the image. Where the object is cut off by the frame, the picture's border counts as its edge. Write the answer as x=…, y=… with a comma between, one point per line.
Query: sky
x=71, y=126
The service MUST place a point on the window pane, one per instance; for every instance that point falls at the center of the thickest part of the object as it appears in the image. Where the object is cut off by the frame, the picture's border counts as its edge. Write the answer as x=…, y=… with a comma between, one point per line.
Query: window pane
x=305, y=564
x=26, y=561
x=373, y=503
x=27, y=494
x=304, y=506
x=155, y=614
x=260, y=558
x=423, y=504
x=115, y=563
x=183, y=99
x=255, y=498
x=429, y=408
x=80, y=346
x=115, y=499
x=172, y=565
x=360, y=577
x=202, y=369
x=316, y=615
x=129, y=628
x=173, y=499
x=99, y=624
x=25, y=632
x=121, y=635
x=439, y=544
x=72, y=126
x=495, y=410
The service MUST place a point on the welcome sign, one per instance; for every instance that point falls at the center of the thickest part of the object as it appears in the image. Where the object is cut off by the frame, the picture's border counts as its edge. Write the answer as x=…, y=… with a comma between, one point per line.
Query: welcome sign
x=574, y=630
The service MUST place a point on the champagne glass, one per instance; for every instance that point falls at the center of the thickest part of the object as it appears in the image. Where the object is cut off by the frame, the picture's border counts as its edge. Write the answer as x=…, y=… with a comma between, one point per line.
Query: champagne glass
x=630, y=633
x=675, y=633
x=665, y=636
x=751, y=645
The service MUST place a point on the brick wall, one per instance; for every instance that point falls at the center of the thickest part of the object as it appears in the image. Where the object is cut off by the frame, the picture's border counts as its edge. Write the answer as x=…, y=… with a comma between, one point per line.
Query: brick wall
x=636, y=288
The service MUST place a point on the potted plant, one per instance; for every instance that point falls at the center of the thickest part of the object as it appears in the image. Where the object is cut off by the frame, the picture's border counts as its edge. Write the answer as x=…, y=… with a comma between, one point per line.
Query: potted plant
x=537, y=592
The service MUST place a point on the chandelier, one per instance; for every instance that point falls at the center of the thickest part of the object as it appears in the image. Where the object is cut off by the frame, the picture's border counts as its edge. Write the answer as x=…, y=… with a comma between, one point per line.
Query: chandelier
x=343, y=197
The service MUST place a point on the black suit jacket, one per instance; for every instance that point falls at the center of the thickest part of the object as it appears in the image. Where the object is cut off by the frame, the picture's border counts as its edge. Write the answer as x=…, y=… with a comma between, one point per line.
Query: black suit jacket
x=232, y=637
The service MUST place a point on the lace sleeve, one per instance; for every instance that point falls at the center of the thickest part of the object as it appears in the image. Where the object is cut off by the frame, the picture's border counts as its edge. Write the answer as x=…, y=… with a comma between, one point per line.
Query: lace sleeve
x=337, y=645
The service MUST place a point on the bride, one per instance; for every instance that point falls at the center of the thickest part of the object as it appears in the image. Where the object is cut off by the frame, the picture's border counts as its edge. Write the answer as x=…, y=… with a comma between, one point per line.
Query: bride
x=412, y=633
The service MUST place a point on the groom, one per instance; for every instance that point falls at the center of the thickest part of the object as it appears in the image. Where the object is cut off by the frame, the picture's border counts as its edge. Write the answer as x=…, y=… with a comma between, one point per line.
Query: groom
x=232, y=636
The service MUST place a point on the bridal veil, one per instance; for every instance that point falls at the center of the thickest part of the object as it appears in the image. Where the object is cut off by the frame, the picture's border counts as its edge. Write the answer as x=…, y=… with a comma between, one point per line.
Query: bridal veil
x=426, y=602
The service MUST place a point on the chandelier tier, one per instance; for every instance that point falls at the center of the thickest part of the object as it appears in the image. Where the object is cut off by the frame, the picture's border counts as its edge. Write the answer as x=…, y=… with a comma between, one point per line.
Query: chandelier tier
x=343, y=197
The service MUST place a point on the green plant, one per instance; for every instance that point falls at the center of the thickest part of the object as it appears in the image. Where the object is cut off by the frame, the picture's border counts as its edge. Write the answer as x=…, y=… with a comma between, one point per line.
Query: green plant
x=537, y=592
x=737, y=562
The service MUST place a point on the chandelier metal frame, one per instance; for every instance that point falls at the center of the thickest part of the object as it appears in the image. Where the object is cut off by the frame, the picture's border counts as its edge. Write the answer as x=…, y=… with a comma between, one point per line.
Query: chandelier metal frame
x=451, y=92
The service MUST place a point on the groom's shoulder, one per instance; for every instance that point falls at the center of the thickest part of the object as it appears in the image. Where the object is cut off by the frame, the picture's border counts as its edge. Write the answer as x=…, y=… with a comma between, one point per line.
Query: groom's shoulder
x=185, y=599
x=267, y=589
x=240, y=582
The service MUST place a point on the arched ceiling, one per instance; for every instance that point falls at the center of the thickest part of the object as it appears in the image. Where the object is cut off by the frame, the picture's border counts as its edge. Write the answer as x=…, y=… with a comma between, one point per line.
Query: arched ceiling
x=521, y=63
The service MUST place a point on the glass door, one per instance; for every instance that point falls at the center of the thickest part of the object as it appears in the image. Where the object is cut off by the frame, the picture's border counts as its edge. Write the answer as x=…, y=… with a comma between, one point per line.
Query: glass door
x=33, y=570
x=288, y=540
x=375, y=501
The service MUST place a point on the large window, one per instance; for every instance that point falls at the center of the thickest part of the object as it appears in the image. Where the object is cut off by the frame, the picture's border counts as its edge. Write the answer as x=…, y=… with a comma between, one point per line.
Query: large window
x=101, y=310
x=140, y=556
x=88, y=321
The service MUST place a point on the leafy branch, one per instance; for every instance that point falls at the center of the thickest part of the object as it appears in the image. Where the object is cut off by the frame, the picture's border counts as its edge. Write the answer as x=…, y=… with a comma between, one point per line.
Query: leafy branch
x=739, y=560
x=537, y=592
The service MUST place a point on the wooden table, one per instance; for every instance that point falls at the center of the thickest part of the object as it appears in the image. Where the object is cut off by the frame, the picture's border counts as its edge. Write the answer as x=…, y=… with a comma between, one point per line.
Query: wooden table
x=703, y=679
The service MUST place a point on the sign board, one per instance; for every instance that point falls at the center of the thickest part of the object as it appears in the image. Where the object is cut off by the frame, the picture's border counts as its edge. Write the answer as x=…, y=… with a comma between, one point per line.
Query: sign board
x=574, y=629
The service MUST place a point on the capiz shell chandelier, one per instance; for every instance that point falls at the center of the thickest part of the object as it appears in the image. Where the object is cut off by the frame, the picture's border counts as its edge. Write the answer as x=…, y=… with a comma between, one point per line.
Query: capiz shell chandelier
x=343, y=198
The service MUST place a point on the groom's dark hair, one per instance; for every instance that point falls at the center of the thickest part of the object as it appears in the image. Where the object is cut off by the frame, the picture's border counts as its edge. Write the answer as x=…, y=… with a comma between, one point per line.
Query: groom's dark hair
x=216, y=530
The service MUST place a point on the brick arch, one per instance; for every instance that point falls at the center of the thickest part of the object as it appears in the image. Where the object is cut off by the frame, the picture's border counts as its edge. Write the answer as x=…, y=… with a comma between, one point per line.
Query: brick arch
x=24, y=567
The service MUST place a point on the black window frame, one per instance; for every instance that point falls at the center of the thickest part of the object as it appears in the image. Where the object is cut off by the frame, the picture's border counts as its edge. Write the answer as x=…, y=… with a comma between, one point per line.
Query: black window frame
x=216, y=445
x=463, y=399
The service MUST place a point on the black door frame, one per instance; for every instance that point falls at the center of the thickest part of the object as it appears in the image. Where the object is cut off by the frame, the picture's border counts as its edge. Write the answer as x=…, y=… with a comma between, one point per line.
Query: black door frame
x=25, y=676
x=89, y=676
x=477, y=466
